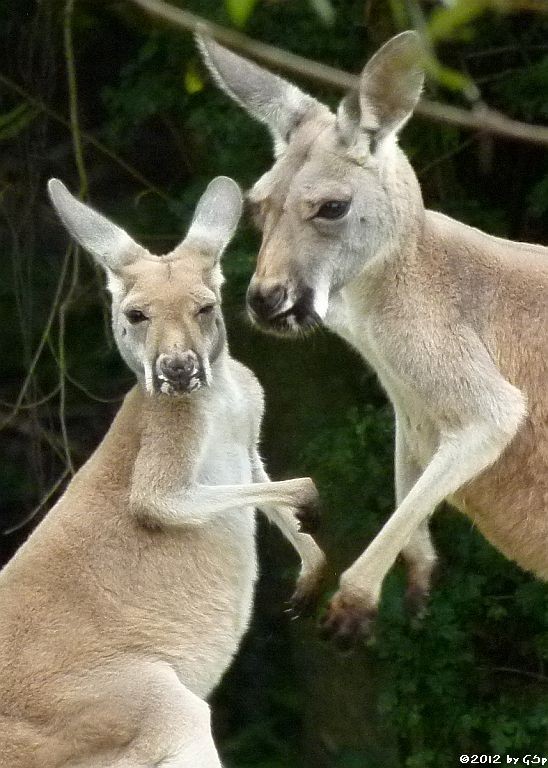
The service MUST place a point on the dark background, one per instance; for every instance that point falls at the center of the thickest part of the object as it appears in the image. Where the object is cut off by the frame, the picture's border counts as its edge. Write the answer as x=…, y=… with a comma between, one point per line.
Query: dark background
x=471, y=677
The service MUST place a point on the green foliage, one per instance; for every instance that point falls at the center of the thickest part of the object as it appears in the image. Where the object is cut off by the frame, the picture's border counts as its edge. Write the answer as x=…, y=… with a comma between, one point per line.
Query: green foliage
x=525, y=90
x=469, y=677
x=538, y=198
x=357, y=456
x=449, y=19
x=325, y=11
x=472, y=675
x=151, y=84
x=239, y=11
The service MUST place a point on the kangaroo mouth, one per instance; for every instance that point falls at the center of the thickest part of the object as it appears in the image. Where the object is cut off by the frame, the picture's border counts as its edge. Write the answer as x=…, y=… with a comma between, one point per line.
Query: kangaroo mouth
x=297, y=320
x=177, y=387
x=288, y=323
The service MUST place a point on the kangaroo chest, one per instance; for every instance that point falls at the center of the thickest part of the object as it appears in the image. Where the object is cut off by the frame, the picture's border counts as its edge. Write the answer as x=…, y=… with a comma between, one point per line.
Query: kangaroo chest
x=226, y=455
x=420, y=431
x=210, y=569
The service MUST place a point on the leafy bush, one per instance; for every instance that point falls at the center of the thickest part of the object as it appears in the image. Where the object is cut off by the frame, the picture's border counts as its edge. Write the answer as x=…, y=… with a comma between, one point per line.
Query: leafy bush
x=472, y=675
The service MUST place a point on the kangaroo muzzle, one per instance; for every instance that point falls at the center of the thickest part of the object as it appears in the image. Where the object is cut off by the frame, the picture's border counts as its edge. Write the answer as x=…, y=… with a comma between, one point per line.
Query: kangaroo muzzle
x=266, y=300
x=180, y=373
x=281, y=309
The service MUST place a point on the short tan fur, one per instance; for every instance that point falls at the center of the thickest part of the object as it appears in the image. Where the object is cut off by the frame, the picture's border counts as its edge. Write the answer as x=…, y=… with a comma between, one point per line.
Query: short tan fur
x=454, y=321
x=122, y=611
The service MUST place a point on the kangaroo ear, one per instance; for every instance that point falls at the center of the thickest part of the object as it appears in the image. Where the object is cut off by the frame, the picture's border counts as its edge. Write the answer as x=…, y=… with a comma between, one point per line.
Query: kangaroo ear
x=390, y=87
x=268, y=98
x=109, y=244
x=216, y=216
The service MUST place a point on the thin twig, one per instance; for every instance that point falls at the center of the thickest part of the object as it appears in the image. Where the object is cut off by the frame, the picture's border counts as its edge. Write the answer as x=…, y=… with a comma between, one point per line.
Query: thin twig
x=63, y=309
x=481, y=118
x=45, y=334
x=522, y=672
x=82, y=387
x=83, y=180
x=91, y=395
x=88, y=138
x=446, y=156
x=35, y=403
x=43, y=501
x=73, y=99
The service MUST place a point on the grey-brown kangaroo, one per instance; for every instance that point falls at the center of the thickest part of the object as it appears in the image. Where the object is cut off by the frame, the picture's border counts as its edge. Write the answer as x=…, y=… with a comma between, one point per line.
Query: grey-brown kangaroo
x=454, y=322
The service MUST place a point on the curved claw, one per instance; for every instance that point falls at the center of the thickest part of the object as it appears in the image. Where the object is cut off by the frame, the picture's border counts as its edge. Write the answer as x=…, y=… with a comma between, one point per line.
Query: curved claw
x=302, y=604
x=346, y=621
x=304, y=600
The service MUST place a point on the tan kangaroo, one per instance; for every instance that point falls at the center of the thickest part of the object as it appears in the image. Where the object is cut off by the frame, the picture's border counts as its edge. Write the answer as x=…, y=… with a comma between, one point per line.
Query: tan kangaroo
x=124, y=608
x=454, y=322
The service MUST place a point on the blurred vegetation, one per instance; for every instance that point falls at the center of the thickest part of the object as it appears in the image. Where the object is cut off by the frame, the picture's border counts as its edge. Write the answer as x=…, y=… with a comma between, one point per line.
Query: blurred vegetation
x=148, y=131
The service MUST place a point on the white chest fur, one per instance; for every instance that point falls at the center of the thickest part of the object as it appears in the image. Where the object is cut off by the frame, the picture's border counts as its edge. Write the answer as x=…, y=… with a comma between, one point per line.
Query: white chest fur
x=226, y=457
x=217, y=558
x=350, y=322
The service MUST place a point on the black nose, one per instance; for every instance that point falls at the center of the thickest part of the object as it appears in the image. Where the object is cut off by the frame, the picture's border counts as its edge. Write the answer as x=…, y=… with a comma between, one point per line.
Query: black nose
x=265, y=301
x=182, y=372
x=174, y=367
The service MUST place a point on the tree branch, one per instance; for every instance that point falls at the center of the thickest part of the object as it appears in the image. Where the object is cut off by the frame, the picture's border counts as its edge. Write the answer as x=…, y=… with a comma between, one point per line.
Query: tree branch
x=480, y=119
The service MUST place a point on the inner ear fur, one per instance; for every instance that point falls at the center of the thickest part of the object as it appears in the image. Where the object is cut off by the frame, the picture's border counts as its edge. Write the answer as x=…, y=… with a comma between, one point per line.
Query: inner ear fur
x=108, y=243
x=216, y=217
x=390, y=87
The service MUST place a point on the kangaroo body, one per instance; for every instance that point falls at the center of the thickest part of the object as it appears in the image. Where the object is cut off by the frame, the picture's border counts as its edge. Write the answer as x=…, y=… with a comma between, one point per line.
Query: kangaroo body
x=94, y=590
x=124, y=608
x=453, y=321
x=462, y=278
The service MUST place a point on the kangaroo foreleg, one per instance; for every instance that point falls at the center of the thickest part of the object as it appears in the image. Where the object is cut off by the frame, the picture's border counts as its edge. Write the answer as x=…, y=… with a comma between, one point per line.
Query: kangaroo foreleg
x=312, y=557
x=462, y=455
x=197, y=504
x=418, y=554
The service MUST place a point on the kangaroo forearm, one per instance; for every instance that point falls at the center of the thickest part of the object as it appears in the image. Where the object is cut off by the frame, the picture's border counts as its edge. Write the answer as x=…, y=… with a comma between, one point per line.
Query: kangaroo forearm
x=200, y=503
x=419, y=552
x=457, y=460
x=312, y=558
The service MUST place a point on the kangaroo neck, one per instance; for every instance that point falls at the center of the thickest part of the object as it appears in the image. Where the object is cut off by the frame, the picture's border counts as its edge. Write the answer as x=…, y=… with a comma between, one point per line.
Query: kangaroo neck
x=396, y=267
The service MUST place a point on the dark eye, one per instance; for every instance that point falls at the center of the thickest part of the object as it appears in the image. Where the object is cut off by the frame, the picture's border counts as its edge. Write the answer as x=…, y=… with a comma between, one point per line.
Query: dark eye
x=207, y=309
x=333, y=209
x=135, y=316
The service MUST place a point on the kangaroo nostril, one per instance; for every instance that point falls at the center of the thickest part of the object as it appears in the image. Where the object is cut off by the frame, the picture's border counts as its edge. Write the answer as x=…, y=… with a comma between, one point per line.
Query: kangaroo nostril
x=179, y=365
x=266, y=301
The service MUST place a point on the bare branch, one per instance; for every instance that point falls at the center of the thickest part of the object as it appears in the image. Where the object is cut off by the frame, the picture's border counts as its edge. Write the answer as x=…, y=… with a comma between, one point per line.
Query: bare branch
x=480, y=119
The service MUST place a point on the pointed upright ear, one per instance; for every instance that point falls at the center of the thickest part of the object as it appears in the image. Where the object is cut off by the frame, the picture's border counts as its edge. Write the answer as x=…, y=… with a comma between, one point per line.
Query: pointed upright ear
x=268, y=98
x=109, y=244
x=216, y=217
x=390, y=87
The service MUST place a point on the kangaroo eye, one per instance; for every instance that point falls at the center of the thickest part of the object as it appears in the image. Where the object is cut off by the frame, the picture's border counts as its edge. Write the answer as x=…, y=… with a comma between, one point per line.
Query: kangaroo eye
x=207, y=309
x=135, y=316
x=333, y=209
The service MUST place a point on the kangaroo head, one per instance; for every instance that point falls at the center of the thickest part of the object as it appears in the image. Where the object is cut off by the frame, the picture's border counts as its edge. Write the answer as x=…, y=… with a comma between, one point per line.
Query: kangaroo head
x=340, y=193
x=166, y=312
